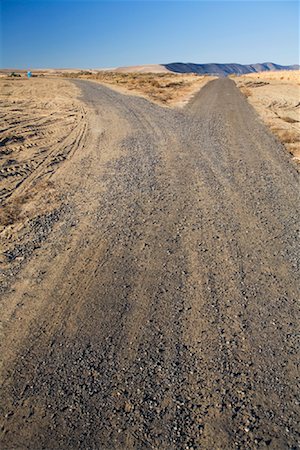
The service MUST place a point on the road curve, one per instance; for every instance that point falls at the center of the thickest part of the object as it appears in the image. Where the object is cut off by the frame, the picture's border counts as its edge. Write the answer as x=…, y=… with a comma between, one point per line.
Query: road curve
x=164, y=315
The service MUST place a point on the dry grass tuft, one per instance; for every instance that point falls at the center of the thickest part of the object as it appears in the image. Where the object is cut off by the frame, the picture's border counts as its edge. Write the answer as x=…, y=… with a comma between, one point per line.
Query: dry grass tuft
x=289, y=119
x=41, y=198
x=286, y=136
x=11, y=213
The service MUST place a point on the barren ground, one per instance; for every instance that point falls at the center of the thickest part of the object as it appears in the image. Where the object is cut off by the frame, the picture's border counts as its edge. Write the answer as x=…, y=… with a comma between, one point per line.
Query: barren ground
x=42, y=124
x=153, y=304
x=276, y=97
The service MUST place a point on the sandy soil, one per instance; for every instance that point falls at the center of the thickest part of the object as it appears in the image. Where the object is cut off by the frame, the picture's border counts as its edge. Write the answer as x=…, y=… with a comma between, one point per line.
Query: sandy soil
x=161, y=310
x=276, y=97
x=42, y=124
x=166, y=89
x=148, y=68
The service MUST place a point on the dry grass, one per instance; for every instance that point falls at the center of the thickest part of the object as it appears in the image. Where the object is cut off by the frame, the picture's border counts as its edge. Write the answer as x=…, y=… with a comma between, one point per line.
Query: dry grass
x=40, y=199
x=286, y=136
x=289, y=120
x=163, y=88
x=11, y=213
x=276, y=97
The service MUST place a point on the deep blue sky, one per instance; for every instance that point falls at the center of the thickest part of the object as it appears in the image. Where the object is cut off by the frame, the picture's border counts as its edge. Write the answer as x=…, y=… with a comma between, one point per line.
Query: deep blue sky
x=83, y=34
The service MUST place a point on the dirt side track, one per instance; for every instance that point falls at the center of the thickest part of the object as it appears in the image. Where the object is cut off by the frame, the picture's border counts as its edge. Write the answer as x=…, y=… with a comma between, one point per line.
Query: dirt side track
x=164, y=315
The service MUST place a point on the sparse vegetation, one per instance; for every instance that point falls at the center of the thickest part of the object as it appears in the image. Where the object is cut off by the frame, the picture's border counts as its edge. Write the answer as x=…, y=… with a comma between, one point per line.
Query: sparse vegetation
x=11, y=212
x=289, y=119
x=165, y=88
x=286, y=136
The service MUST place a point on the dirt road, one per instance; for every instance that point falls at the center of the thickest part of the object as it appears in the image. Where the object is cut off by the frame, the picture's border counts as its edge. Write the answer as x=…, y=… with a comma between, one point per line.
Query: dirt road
x=161, y=313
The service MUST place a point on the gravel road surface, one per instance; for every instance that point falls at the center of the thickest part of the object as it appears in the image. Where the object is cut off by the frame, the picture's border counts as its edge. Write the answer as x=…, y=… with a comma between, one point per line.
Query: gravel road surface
x=161, y=312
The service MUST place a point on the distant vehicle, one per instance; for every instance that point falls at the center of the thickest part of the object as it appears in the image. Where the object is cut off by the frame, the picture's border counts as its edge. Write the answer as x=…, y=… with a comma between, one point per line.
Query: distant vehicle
x=14, y=74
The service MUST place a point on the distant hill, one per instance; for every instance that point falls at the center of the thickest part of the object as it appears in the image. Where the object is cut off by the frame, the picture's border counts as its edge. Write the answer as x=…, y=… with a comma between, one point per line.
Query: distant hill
x=221, y=70
x=225, y=69
x=147, y=68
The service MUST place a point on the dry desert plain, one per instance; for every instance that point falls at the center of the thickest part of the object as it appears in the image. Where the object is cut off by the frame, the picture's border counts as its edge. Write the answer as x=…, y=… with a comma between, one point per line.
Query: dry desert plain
x=275, y=96
x=149, y=257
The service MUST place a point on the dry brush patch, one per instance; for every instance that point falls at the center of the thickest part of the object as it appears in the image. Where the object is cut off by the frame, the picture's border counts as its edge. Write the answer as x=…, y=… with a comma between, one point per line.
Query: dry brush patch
x=41, y=198
x=163, y=88
x=276, y=97
x=11, y=212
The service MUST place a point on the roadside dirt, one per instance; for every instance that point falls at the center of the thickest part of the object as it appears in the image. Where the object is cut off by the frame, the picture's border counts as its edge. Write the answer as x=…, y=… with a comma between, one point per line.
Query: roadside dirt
x=161, y=311
x=276, y=98
x=43, y=124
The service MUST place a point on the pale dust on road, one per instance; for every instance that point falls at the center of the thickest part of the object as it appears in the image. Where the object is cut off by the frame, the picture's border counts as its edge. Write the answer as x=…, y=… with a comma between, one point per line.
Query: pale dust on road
x=160, y=312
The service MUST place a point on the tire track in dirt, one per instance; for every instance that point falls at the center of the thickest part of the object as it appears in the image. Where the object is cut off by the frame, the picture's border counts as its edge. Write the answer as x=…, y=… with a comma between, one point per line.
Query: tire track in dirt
x=31, y=143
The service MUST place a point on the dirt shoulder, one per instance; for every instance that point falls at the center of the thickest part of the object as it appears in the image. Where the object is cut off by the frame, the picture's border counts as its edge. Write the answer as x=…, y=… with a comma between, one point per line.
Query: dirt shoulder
x=276, y=97
x=43, y=123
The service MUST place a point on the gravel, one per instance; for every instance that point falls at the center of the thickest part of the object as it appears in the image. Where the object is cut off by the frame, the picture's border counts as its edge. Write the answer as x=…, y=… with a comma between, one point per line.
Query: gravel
x=172, y=321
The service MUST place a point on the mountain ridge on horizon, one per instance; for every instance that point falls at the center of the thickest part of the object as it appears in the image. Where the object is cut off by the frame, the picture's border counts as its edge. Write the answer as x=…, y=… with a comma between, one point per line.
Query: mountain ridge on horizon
x=218, y=69
x=224, y=69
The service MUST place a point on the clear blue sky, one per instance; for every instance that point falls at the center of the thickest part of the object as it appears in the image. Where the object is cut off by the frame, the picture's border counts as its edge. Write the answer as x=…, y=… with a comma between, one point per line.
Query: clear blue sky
x=94, y=34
